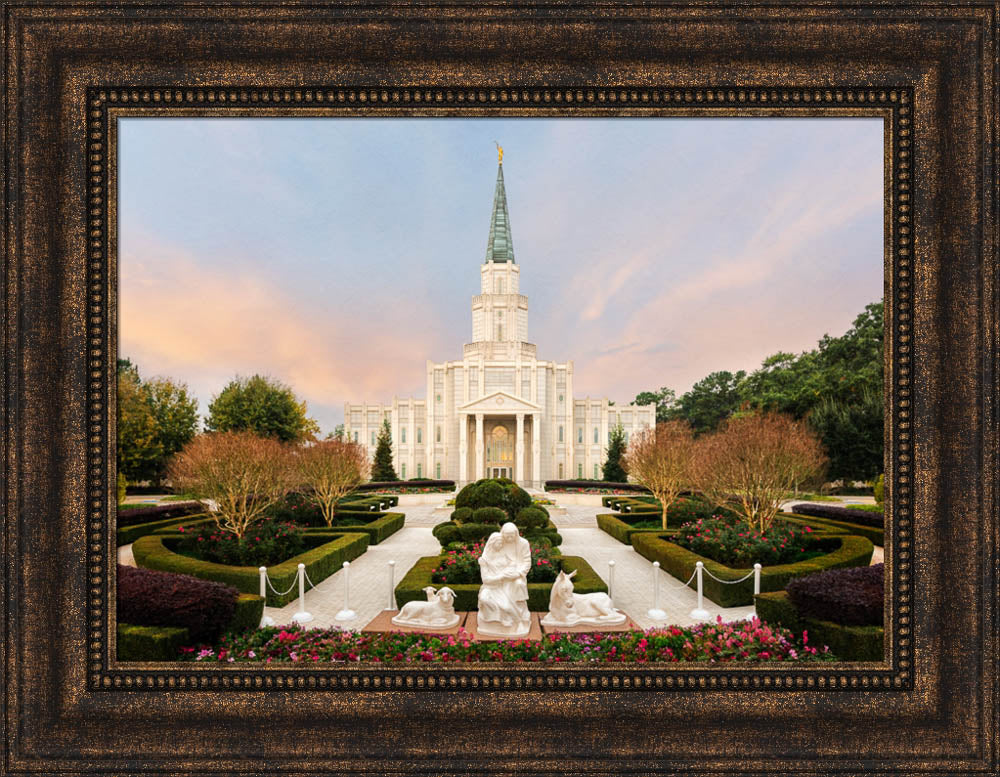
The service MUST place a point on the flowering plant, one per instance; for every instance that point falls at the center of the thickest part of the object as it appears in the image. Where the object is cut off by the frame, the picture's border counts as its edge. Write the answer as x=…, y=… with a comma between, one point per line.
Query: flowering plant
x=733, y=542
x=744, y=641
x=461, y=565
x=268, y=542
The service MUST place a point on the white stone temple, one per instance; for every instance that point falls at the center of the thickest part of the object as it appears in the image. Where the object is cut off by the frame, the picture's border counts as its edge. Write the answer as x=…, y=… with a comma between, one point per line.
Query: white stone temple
x=499, y=410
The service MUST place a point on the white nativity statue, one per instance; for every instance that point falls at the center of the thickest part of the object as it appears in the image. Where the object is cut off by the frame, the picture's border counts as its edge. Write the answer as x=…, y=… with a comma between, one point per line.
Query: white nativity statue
x=438, y=612
x=568, y=609
x=503, y=597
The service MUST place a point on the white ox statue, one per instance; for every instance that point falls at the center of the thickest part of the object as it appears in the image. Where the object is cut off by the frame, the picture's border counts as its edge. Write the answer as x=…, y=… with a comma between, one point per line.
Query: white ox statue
x=571, y=609
x=438, y=612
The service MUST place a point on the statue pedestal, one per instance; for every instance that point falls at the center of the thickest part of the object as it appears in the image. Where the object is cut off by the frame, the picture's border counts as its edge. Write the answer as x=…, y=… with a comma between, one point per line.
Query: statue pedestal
x=472, y=626
x=382, y=623
x=584, y=628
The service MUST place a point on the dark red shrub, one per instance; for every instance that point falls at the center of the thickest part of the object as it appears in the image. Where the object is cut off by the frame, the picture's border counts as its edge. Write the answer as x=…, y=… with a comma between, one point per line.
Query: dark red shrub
x=835, y=513
x=147, y=597
x=852, y=597
x=144, y=513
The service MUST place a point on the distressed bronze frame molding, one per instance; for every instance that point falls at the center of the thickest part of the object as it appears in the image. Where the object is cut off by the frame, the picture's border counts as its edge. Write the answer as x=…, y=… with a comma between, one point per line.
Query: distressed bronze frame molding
x=929, y=71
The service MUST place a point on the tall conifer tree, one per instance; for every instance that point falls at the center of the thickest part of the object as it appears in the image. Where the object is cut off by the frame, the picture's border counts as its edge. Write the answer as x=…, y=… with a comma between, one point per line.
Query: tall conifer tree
x=382, y=469
x=613, y=470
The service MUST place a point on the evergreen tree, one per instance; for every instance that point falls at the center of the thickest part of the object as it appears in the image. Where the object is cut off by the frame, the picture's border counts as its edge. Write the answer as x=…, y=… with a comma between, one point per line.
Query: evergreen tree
x=382, y=469
x=261, y=405
x=613, y=470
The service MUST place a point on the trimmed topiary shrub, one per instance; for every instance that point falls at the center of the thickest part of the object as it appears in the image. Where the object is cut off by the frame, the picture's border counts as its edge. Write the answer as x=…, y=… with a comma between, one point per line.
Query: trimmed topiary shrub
x=879, y=489
x=498, y=492
x=850, y=597
x=489, y=494
x=447, y=532
x=150, y=643
x=531, y=518
x=462, y=515
x=147, y=597
x=474, y=532
x=490, y=515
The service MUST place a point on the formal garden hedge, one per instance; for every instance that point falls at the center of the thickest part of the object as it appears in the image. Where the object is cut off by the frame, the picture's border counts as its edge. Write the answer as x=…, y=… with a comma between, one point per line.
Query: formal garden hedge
x=330, y=548
x=411, y=587
x=136, y=514
x=130, y=534
x=843, y=551
x=825, y=525
x=844, y=514
x=411, y=486
x=593, y=487
x=150, y=643
x=850, y=643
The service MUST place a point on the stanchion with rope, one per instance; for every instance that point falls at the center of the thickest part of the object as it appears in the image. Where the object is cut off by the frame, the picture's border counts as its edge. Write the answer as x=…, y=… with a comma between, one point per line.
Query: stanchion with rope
x=346, y=614
x=265, y=620
x=701, y=613
x=302, y=616
x=611, y=580
x=392, y=584
x=265, y=583
x=655, y=612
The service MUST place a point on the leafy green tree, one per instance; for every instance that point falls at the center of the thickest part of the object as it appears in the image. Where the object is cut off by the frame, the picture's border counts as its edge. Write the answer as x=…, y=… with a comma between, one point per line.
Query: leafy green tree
x=261, y=405
x=711, y=400
x=382, y=469
x=852, y=433
x=784, y=383
x=176, y=415
x=614, y=472
x=665, y=400
x=852, y=363
x=140, y=452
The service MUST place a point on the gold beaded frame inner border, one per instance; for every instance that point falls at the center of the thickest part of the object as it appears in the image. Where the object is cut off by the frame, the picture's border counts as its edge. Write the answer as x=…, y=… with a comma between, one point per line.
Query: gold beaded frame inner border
x=105, y=105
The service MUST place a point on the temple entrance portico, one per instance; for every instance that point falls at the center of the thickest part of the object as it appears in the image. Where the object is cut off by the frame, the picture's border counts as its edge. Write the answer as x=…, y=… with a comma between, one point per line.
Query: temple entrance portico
x=500, y=436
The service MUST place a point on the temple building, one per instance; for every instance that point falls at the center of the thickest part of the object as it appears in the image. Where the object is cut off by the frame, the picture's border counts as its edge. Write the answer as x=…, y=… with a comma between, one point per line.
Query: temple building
x=499, y=410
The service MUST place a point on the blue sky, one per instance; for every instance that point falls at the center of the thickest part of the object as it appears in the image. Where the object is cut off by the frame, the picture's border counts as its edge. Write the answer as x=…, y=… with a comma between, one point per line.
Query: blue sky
x=337, y=255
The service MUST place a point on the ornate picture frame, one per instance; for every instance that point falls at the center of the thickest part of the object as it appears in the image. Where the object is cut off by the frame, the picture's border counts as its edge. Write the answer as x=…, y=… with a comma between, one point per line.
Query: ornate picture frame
x=928, y=71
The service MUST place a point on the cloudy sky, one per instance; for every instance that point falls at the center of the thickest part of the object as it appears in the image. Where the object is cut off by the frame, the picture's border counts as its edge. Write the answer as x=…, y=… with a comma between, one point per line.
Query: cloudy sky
x=338, y=255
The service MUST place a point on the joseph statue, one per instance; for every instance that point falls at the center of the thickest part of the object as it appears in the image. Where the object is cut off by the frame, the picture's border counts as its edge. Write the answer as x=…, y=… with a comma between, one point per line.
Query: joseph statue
x=503, y=597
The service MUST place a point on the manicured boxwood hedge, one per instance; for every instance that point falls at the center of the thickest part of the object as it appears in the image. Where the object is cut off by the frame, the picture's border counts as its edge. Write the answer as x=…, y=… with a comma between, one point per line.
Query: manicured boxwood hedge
x=371, y=504
x=162, y=643
x=131, y=533
x=150, y=643
x=557, y=485
x=377, y=526
x=844, y=551
x=825, y=525
x=414, y=485
x=850, y=643
x=411, y=587
x=619, y=529
x=129, y=516
x=844, y=514
x=331, y=548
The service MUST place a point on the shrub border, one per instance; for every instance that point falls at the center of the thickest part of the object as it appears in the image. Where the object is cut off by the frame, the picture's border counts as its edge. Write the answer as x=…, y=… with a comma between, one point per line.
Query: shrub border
x=827, y=525
x=321, y=562
x=677, y=561
x=411, y=587
x=149, y=643
x=851, y=643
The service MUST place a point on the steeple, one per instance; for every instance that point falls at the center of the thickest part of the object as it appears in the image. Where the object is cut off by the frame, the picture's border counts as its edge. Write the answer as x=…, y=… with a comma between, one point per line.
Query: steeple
x=500, y=247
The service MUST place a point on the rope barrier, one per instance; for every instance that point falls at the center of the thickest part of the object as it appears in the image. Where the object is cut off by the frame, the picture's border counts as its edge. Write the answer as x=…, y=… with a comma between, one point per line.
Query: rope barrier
x=684, y=585
x=730, y=582
x=276, y=591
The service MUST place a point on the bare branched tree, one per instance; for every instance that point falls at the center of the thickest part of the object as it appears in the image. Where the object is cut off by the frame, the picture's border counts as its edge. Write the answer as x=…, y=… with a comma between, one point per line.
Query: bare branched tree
x=754, y=460
x=332, y=469
x=242, y=473
x=660, y=458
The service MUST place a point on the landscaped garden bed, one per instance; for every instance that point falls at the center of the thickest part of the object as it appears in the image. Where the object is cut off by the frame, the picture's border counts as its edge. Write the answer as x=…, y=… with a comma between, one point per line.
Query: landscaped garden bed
x=743, y=641
x=326, y=551
x=842, y=608
x=839, y=551
x=413, y=486
x=642, y=514
x=592, y=487
x=422, y=574
x=158, y=612
x=855, y=514
x=876, y=535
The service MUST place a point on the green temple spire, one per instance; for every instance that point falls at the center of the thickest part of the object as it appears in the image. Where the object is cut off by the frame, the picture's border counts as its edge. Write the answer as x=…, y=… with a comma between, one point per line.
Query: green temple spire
x=500, y=247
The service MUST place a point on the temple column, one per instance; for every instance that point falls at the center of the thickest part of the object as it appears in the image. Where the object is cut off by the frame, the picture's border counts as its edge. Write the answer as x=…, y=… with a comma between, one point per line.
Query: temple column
x=463, y=447
x=536, y=449
x=480, y=447
x=519, y=449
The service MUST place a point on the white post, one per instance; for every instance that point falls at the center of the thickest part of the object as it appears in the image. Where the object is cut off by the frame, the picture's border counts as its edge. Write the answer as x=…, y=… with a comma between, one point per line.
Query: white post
x=656, y=613
x=392, y=583
x=347, y=614
x=265, y=620
x=611, y=579
x=302, y=616
x=700, y=613
x=756, y=579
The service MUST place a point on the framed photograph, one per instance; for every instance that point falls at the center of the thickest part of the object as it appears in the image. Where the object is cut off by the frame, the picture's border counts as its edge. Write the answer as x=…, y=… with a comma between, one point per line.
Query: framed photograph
x=500, y=389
